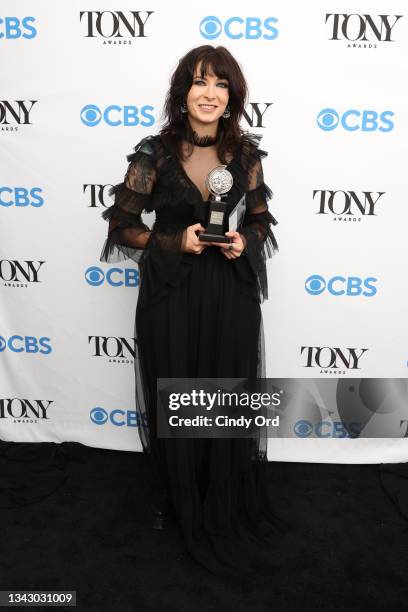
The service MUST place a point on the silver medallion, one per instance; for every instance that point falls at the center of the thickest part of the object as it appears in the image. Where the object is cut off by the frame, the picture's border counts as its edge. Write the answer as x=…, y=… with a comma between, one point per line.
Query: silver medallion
x=219, y=180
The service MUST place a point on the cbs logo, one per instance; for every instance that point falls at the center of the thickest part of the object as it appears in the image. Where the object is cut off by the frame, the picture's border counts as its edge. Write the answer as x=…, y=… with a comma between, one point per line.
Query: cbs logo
x=119, y=418
x=20, y=196
x=212, y=27
x=114, y=115
x=25, y=344
x=326, y=429
x=367, y=120
x=339, y=285
x=13, y=27
x=116, y=277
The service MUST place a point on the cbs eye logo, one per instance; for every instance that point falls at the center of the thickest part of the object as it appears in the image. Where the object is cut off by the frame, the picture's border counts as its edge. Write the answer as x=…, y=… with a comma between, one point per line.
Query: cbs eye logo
x=212, y=27
x=367, y=120
x=339, y=285
x=94, y=276
x=99, y=416
x=116, y=277
x=315, y=285
x=303, y=428
x=91, y=115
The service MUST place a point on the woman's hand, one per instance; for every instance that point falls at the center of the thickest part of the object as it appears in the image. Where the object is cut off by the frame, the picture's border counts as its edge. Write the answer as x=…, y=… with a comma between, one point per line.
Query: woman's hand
x=191, y=243
x=235, y=248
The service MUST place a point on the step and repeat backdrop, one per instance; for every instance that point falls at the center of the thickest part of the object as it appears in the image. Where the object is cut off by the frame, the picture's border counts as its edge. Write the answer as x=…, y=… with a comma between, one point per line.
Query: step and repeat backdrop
x=82, y=83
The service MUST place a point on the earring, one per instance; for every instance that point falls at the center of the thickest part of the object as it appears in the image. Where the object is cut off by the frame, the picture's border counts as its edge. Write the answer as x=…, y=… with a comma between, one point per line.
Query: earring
x=183, y=108
x=227, y=113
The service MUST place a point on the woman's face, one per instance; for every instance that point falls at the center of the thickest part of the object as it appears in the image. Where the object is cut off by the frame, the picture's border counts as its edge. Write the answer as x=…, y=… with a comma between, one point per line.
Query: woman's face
x=207, y=98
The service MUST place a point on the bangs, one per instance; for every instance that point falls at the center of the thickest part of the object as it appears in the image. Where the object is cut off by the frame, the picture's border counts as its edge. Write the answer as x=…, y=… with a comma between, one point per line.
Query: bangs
x=217, y=64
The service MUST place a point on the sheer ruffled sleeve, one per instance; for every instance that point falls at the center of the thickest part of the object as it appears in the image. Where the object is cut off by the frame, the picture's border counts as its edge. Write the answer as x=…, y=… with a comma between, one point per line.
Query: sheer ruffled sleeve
x=159, y=250
x=127, y=234
x=256, y=227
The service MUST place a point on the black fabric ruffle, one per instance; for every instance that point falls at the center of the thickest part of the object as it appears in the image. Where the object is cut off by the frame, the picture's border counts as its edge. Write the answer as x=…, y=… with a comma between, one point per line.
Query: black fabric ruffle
x=256, y=227
x=113, y=249
x=260, y=249
x=256, y=197
x=251, y=153
x=125, y=213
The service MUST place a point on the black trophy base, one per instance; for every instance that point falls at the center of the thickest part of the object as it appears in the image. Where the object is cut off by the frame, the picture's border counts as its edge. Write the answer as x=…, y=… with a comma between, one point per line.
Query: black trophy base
x=205, y=237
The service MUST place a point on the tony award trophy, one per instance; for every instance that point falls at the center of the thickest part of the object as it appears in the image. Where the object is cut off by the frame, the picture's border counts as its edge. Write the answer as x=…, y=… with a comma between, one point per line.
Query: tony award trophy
x=218, y=182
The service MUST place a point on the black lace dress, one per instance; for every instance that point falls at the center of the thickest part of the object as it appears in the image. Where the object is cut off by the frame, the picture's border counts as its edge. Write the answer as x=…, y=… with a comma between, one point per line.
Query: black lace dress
x=198, y=316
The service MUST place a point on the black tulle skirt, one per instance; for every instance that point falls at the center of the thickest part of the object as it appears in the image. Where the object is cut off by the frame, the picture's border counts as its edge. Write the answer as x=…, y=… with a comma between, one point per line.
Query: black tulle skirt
x=209, y=326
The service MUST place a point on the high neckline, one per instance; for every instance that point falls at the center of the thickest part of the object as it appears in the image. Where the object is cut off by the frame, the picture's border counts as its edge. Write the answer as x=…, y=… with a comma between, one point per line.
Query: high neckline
x=203, y=141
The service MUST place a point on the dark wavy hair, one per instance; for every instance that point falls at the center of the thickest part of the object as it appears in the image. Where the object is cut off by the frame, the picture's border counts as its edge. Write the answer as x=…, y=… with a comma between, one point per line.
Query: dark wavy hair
x=224, y=66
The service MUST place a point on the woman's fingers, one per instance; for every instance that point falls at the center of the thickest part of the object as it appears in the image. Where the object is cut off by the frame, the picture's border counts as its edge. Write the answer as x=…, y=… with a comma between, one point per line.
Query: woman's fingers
x=195, y=227
x=231, y=250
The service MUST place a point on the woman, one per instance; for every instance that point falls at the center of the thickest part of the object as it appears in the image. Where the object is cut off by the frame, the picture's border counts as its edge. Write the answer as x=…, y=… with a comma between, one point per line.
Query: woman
x=198, y=312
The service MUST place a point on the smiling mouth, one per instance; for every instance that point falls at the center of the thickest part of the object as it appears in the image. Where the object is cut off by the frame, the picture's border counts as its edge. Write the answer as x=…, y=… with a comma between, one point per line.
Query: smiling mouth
x=207, y=106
